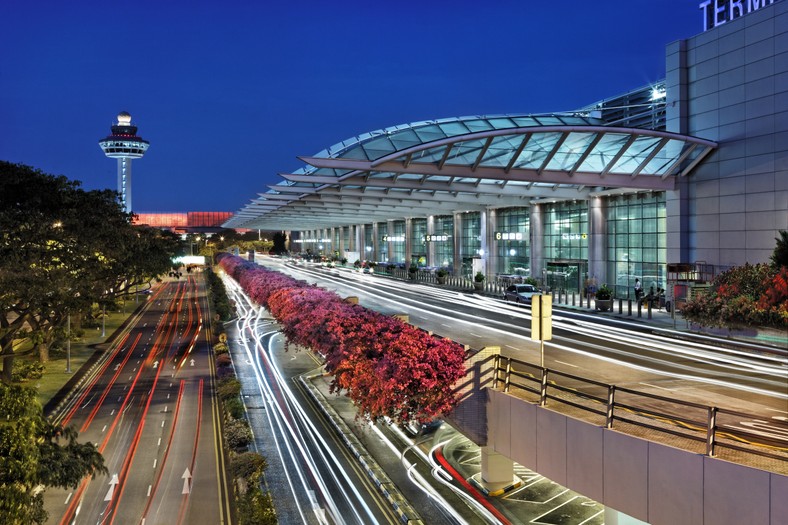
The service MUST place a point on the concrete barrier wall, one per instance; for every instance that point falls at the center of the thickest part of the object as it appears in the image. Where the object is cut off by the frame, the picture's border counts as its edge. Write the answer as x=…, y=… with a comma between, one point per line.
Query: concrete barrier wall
x=649, y=481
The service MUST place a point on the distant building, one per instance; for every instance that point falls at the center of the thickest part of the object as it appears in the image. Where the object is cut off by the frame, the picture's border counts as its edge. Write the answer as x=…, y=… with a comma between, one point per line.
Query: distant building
x=185, y=222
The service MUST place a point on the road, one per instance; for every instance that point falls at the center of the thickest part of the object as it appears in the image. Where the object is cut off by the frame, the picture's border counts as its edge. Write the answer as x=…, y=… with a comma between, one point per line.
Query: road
x=148, y=403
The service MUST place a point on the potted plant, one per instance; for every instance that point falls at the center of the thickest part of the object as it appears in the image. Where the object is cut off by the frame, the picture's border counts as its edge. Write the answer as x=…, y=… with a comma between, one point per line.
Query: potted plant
x=441, y=273
x=478, y=281
x=604, y=298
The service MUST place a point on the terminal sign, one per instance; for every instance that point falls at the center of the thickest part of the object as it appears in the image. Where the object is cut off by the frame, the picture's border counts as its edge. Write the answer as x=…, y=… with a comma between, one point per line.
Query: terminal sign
x=717, y=12
x=508, y=236
x=436, y=238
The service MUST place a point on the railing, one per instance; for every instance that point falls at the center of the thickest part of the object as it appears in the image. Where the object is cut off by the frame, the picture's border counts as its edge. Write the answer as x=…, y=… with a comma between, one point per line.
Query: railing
x=641, y=412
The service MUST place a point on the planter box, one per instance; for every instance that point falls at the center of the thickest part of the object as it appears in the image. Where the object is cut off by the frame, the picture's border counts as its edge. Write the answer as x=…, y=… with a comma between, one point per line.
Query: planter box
x=478, y=286
x=604, y=305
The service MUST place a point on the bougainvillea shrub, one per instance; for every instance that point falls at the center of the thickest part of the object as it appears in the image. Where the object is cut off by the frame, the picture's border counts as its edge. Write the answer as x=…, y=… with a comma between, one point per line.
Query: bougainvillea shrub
x=749, y=295
x=387, y=367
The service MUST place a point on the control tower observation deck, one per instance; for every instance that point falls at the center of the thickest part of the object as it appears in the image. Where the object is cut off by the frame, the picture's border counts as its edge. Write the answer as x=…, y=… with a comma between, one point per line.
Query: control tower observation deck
x=124, y=145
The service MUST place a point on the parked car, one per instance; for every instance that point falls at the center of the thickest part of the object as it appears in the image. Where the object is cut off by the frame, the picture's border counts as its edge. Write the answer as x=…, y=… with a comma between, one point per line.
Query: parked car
x=415, y=429
x=520, y=293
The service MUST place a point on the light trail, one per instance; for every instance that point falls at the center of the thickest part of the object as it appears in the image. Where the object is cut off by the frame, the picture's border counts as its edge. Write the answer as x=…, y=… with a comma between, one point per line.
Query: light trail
x=774, y=374
x=305, y=443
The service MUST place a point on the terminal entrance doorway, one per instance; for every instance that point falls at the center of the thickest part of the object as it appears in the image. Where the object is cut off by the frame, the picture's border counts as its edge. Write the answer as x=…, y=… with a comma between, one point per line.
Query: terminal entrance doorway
x=566, y=275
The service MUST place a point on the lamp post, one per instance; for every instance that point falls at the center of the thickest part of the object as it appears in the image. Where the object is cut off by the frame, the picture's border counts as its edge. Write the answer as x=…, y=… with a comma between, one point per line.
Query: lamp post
x=68, y=344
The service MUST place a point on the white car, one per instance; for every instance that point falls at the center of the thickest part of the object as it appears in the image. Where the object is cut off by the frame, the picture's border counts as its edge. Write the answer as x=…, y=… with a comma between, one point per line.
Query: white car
x=520, y=293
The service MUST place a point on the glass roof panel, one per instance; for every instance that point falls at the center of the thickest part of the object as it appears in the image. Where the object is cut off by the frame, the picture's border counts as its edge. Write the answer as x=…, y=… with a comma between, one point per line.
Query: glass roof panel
x=603, y=152
x=431, y=155
x=452, y=129
x=477, y=125
x=525, y=122
x=502, y=123
x=501, y=149
x=465, y=153
x=570, y=151
x=379, y=147
x=355, y=154
x=666, y=157
x=405, y=139
x=430, y=133
x=635, y=154
x=537, y=149
x=548, y=120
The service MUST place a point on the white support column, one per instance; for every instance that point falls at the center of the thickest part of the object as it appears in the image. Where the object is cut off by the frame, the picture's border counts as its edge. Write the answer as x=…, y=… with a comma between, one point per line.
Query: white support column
x=597, y=240
x=497, y=469
x=390, y=248
x=375, y=255
x=536, y=229
x=457, y=242
x=485, y=253
x=408, y=241
x=431, y=245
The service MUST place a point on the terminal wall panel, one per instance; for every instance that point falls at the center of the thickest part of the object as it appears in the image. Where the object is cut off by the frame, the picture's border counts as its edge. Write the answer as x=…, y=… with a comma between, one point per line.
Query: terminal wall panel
x=626, y=474
x=725, y=501
x=675, y=485
x=778, y=499
x=523, y=424
x=551, y=445
x=585, y=459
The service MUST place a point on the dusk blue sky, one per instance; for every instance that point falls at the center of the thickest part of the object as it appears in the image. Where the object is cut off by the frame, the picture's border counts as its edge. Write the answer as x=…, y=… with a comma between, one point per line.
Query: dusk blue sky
x=229, y=93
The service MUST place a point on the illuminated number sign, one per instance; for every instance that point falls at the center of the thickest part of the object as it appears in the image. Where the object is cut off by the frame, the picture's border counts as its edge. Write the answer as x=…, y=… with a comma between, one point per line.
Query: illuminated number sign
x=508, y=236
x=574, y=236
x=436, y=238
x=717, y=12
x=394, y=238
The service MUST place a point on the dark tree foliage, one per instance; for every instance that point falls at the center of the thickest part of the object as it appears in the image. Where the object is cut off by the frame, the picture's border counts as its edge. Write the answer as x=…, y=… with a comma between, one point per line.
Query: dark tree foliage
x=63, y=249
x=35, y=452
x=780, y=255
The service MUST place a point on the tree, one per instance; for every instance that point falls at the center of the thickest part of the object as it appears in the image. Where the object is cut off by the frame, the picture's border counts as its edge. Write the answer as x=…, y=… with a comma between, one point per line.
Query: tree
x=780, y=255
x=62, y=249
x=34, y=452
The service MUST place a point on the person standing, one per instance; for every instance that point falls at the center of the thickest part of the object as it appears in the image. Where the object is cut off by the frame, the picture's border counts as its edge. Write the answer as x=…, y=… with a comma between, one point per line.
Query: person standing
x=638, y=289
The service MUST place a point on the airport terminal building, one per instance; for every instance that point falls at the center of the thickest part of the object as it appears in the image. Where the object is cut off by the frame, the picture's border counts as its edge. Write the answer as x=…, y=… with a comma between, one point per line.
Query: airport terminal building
x=692, y=169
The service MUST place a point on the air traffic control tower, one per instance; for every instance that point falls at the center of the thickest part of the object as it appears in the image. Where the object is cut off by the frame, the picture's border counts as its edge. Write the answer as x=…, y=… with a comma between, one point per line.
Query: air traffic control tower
x=124, y=145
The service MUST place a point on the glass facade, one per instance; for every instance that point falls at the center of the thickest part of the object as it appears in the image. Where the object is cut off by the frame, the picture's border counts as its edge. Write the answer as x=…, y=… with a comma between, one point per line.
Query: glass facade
x=636, y=242
x=511, y=238
x=369, y=246
x=398, y=246
x=444, y=250
x=471, y=241
x=418, y=241
x=566, y=245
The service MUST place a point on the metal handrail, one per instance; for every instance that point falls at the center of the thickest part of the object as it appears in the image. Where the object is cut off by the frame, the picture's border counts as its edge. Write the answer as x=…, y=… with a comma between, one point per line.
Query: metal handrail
x=506, y=373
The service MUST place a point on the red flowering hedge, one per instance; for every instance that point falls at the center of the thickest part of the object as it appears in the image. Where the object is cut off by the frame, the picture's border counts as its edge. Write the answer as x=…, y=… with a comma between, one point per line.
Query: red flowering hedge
x=387, y=367
x=749, y=295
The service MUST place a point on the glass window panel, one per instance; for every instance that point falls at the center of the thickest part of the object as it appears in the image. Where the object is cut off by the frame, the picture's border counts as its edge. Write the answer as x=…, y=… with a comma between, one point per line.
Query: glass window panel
x=380, y=145
x=465, y=153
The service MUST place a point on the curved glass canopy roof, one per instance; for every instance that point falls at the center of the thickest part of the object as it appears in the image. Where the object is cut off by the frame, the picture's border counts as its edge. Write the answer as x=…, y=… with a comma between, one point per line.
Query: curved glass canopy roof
x=467, y=164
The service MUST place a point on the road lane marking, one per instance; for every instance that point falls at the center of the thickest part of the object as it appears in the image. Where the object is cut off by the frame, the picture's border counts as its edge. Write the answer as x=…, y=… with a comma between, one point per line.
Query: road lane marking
x=104, y=429
x=149, y=487
x=159, y=443
x=68, y=498
x=474, y=335
x=155, y=462
x=567, y=364
x=513, y=347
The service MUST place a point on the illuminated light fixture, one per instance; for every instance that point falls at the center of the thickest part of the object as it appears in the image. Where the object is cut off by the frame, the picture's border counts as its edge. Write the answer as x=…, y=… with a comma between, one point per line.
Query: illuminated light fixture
x=481, y=252
x=512, y=252
x=658, y=93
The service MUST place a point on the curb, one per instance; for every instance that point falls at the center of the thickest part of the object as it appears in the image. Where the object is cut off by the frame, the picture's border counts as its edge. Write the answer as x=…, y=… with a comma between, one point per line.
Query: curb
x=407, y=514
